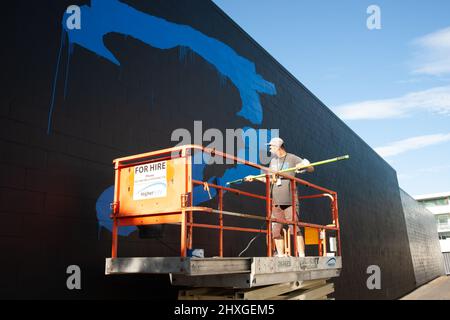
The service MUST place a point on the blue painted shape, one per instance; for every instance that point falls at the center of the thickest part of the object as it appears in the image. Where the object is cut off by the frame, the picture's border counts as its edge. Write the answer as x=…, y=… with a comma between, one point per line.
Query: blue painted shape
x=103, y=17
x=104, y=211
x=112, y=16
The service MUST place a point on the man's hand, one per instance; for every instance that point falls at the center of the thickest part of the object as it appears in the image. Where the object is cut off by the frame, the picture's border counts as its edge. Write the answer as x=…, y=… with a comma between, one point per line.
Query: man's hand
x=251, y=178
x=300, y=167
x=274, y=178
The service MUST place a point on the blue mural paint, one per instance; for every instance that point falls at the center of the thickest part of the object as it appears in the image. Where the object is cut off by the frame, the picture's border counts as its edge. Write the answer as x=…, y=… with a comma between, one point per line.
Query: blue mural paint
x=112, y=16
x=103, y=17
x=103, y=208
x=198, y=166
x=184, y=54
x=152, y=99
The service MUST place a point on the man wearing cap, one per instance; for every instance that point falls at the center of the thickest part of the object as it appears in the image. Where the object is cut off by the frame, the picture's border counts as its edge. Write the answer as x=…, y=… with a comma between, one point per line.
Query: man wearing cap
x=281, y=192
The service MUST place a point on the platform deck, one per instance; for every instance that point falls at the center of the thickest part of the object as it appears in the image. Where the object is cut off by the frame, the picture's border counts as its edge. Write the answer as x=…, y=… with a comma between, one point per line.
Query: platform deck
x=245, y=272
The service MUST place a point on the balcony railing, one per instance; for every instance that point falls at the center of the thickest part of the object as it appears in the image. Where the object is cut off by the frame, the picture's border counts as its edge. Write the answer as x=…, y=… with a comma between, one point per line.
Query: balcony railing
x=439, y=209
x=443, y=227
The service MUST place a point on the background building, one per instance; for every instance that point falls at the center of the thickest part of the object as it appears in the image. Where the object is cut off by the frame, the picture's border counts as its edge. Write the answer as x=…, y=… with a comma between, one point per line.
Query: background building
x=75, y=99
x=439, y=205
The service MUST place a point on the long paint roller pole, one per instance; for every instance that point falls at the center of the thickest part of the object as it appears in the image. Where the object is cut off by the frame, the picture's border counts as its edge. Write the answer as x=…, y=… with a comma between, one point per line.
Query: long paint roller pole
x=314, y=164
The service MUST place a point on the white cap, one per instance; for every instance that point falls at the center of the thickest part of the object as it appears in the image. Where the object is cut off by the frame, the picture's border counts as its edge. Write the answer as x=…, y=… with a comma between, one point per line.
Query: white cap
x=277, y=142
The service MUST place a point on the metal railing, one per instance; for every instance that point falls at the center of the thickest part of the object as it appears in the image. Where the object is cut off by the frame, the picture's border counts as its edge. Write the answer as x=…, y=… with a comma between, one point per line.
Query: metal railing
x=184, y=214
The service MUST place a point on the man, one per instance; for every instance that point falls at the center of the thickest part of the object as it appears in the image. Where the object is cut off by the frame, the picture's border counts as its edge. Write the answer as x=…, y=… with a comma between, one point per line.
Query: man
x=281, y=192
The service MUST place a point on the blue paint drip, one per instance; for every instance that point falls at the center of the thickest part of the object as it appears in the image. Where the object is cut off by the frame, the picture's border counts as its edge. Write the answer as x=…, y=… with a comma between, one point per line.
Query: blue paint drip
x=112, y=16
x=182, y=51
x=55, y=81
x=69, y=55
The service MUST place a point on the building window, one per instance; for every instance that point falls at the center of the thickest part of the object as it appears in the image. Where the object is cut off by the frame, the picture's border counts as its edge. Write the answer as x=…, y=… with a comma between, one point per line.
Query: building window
x=443, y=219
x=436, y=202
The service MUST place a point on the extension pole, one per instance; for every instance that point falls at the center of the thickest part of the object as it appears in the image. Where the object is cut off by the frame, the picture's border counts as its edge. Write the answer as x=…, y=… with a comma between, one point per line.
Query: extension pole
x=314, y=164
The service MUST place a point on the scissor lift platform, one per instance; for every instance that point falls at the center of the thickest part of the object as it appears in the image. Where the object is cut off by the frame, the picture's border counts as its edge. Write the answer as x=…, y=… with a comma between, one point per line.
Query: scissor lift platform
x=158, y=187
x=239, y=272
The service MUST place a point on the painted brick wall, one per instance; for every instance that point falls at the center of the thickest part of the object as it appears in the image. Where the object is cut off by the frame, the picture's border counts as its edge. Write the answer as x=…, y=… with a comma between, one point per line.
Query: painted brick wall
x=51, y=180
x=422, y=233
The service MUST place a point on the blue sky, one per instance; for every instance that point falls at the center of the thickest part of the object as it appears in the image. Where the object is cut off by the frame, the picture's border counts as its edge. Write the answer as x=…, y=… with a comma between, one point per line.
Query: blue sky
x=391, y=86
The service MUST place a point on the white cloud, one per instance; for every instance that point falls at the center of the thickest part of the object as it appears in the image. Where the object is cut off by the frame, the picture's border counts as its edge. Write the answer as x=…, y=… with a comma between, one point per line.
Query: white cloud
x=432, y=58
x=414, y=143
x=403, y=176
x=433, y=53
x=421, y=173
x=436, y=100
x=435, y=169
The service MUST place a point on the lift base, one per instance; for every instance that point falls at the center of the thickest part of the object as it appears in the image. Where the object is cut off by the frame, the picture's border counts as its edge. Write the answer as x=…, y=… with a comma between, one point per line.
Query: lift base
x=241, y=273
x=298, y=290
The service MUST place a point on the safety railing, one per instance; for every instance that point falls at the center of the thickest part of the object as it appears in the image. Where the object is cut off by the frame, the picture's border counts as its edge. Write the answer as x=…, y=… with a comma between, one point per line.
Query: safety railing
x=135, y=205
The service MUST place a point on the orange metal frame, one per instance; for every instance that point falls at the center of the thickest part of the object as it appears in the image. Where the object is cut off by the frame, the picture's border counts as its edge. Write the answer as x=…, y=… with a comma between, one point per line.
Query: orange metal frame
x=184, y=215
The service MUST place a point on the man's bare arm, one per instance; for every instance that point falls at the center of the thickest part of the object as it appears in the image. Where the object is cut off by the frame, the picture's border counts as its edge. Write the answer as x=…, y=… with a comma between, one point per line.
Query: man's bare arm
x=262, y=179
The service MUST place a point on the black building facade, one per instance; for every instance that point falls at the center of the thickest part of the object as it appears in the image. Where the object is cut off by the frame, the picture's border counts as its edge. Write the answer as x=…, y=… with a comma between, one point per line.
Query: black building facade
x=75, y=97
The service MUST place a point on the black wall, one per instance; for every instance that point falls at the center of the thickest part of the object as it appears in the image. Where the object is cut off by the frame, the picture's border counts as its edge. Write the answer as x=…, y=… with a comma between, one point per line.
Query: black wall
x=50, y=180
x=422, y=233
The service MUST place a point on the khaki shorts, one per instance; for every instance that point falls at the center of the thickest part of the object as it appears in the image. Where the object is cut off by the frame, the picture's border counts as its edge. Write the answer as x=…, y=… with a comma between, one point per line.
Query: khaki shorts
x=283, y=212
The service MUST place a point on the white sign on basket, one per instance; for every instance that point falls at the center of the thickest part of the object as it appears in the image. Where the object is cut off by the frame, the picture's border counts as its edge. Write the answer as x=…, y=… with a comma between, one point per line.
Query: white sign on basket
x=150, y=181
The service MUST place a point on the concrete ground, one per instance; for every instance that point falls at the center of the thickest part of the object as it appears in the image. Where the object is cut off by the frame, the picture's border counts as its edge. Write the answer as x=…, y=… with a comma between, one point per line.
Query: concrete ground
x=438, y=289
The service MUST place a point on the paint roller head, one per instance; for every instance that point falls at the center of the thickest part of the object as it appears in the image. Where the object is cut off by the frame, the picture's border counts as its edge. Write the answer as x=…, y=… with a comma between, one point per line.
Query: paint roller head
x=343, y=157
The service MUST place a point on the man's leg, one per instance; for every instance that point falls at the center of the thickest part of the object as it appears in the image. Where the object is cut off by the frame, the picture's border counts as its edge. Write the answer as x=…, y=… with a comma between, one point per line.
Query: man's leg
x=287, y=242
x=299, y=237
x=300, y=245
x=277, y=213
x=279, y=244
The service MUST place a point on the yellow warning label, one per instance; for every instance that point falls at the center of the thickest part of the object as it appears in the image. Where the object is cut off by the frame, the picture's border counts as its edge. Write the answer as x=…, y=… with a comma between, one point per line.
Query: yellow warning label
x=311, y=236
